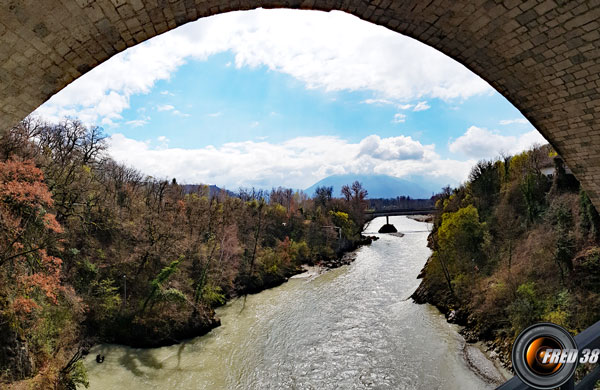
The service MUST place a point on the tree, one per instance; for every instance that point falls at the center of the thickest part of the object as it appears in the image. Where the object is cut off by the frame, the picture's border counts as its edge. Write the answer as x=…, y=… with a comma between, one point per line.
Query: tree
x=533, y=188
x=459, y=239
x=359, y=194
x=27, y=229
x=355, y=195
x=156, y=285
x=561, y=217
x=485, y=185
x=590, y=219
x=323, y=195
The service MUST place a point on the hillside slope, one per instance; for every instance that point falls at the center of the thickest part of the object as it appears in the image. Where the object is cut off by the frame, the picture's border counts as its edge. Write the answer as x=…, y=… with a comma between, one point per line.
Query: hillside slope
x=513, y=247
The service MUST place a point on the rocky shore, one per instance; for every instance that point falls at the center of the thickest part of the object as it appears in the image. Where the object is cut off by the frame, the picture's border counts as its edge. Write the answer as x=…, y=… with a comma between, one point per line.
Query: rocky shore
x=484, y=365
x=497, y=349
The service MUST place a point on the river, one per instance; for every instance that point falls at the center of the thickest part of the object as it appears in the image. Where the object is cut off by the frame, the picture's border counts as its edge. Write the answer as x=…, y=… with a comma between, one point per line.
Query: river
x=349, y=328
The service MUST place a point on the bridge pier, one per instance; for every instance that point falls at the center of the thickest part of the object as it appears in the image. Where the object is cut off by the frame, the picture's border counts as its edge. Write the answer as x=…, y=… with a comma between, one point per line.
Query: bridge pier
x=388, y=227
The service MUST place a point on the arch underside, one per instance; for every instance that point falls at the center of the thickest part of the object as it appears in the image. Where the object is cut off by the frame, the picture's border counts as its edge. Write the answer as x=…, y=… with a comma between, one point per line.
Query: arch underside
x=542, y=55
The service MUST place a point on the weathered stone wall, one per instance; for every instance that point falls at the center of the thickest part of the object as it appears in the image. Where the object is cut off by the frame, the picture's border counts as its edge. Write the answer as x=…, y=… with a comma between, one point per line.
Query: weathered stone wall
x=543, y=55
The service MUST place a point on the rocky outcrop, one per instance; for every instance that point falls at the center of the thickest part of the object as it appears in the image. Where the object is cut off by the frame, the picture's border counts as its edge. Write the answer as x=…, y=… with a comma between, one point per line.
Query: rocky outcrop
x=15, y=359
x=160, y=332
x=437, y=293
x=344, y=260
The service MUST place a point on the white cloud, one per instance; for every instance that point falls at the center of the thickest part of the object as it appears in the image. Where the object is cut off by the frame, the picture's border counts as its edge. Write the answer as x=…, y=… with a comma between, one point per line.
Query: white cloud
x=334, y=51
x=400, y=106
x=254, y=124
x=215, y=114
x=479, y=142
x=137, y=122
x=179, y=113
x=378, y=101
x=522, y=121
x=399, y=118
x=165, y=92
x=422, y=106
x=393, y=148
x=164, y=107
x=527, y=140
x=171, y=108
x=296, y=163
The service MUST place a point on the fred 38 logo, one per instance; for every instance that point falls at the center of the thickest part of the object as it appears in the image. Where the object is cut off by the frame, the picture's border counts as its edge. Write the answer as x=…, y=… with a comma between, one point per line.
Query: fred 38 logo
x=545, y=356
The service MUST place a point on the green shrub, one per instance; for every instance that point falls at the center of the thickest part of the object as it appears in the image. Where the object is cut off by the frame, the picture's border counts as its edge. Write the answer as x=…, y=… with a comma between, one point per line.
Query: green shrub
x=526, y=308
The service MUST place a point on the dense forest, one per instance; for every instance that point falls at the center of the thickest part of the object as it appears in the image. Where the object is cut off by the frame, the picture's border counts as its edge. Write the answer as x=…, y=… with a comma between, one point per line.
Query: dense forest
x=513, y=246
x=93, y=251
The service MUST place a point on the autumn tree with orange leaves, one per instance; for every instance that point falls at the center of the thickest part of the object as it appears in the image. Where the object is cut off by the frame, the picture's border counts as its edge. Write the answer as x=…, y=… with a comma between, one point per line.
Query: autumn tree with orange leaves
x=30, y=278
x=26, y=230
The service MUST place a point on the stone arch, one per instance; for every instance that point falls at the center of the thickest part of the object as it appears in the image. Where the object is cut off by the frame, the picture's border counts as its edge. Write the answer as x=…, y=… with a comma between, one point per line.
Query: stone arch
x=542, y=55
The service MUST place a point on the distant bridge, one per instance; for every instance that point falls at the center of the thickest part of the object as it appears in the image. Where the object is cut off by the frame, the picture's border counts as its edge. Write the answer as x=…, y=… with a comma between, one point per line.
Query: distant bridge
x=393, y=212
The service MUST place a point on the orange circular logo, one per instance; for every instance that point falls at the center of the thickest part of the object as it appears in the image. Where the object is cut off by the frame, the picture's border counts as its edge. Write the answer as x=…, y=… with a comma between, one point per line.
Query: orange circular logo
x=535, y=352
x=544, y=356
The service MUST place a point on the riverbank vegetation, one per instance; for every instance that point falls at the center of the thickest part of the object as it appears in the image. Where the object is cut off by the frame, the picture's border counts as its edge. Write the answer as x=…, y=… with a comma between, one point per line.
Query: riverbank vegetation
x=516, y=244
x=94, y=251
x=401, y=203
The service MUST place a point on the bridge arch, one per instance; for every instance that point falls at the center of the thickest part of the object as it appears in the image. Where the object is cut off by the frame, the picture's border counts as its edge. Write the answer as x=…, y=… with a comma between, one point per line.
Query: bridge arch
x=542, y=55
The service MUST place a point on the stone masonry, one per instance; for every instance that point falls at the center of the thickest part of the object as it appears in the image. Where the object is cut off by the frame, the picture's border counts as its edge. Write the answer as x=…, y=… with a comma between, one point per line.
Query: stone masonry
x=542, y=55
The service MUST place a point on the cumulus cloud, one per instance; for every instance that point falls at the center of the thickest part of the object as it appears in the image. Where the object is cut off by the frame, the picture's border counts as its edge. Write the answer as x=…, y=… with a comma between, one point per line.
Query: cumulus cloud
x=297, y=163
x=334, y=51
x=393, y=148
x=479, y=142
x=527, y=140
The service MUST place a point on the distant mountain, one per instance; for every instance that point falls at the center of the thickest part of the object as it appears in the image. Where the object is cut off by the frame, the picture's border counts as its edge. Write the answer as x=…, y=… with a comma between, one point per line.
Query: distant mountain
x=212, y=189
x=378, y=186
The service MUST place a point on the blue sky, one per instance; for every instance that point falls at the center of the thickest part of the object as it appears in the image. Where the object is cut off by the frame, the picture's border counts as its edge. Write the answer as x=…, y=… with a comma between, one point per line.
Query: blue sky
x=218, y=103
x=279, y=97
